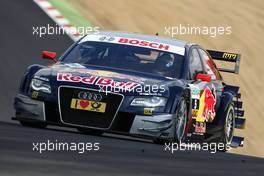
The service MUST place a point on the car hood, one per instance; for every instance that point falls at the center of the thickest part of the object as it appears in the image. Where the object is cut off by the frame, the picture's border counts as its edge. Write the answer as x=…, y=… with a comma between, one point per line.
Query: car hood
x=95, y=77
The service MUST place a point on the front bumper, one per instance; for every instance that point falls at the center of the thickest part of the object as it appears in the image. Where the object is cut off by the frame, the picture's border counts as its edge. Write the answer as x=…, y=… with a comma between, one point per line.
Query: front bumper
x=29, y=109
x=158, y=126
x=155, y=126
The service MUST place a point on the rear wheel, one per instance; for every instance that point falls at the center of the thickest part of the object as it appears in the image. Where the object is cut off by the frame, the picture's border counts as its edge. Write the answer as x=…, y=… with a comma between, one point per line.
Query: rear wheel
x=229, y=126
x=90, y=131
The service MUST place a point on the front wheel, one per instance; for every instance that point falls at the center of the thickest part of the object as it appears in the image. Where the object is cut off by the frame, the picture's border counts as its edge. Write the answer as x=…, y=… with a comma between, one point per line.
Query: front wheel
x=180, y=121
x=179, y=124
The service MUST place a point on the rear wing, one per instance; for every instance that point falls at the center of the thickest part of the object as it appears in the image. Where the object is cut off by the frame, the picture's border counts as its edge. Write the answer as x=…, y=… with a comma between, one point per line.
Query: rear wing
x=227, y=57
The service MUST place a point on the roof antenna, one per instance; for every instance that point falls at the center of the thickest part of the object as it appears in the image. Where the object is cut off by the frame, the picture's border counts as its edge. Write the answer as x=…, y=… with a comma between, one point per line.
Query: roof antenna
x=157, y=34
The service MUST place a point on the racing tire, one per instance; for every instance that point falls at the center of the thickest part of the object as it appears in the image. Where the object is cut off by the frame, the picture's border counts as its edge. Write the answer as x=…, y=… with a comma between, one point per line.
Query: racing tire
x=180, y=121
x=90, y=131
x=33, y=124
x=228, y=128
x=179, y=124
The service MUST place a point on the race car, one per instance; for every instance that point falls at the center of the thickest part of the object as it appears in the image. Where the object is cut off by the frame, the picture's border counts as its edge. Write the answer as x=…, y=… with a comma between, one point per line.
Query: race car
x=134, y=84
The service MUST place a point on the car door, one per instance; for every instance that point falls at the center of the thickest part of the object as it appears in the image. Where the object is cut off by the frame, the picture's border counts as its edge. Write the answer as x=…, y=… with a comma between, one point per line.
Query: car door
x=216, y=78
x=203, y=90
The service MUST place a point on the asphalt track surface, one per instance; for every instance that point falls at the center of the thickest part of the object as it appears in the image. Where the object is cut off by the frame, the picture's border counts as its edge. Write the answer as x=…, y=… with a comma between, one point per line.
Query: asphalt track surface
x=117, y=155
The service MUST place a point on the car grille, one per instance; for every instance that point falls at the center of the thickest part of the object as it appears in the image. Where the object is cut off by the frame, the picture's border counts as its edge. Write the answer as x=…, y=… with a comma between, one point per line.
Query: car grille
x=85, y=117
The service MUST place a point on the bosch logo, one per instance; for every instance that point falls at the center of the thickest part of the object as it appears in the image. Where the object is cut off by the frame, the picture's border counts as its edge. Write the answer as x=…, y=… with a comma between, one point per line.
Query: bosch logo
x=90, y=96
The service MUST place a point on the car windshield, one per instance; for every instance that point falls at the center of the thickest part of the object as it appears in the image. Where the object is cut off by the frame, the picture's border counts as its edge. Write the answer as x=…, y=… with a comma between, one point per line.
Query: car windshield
x=126, y=57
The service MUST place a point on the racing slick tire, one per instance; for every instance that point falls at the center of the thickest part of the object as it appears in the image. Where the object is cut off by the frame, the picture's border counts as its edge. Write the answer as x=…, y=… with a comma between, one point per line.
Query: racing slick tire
x=90, y=131
x=33, y=124
x=228, y=127
x=181, y=121
x=179, y=124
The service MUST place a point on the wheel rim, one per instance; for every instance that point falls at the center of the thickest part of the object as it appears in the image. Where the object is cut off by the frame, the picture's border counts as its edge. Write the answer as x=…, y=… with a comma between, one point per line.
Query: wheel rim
x=229, y=128
x=181, y=121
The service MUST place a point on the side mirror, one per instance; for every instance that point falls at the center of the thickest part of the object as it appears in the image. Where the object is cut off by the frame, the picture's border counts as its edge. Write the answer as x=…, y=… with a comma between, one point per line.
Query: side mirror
x=49, y=55
x=203, y=77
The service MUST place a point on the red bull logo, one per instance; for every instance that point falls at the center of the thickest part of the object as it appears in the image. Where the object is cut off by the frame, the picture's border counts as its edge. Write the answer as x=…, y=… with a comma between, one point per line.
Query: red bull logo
x=209, y=104
x=206, y=108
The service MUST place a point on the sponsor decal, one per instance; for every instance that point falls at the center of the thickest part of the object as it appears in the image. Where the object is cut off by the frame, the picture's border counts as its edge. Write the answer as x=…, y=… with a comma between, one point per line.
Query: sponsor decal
x=108, y=82
x=135, y=42
x=87, y=105
x=195, y=95
x=148, y=44
x=209, y=104
x=95, y=80
x=195, y=104
x=203, y=109
x=195, y=91
x=67, y=77
x=34, y=94
x=148, y=111
x=103, y=73
x=200, y=127
x=195, y=113
x=230, y=56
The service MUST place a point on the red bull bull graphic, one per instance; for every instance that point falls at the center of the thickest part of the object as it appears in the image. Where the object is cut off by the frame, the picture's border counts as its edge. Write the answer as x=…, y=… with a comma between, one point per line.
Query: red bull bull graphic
x=204, y=109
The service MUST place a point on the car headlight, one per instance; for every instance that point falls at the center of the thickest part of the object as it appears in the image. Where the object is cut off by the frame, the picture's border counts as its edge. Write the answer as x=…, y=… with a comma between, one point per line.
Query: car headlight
x=149, y=101
x=40, y=85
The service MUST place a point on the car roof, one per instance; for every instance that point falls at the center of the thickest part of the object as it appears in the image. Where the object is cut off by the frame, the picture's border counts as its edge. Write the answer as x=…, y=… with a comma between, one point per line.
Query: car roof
x=152, y=38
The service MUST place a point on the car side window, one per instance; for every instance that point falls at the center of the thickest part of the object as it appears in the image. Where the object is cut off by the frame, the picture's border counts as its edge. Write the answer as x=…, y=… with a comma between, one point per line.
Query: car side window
x=210, y=67
x=195, y=64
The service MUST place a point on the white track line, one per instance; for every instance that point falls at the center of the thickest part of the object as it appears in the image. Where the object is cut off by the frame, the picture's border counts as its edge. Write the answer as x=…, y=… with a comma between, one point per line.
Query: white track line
x=58, y=18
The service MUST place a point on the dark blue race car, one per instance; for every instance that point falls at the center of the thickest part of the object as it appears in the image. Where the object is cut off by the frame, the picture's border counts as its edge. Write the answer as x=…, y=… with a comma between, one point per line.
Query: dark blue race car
x=134, y=84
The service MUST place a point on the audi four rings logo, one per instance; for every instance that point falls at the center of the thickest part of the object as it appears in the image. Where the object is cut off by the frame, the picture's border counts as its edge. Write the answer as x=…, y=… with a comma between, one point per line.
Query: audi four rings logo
x=90, y=96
